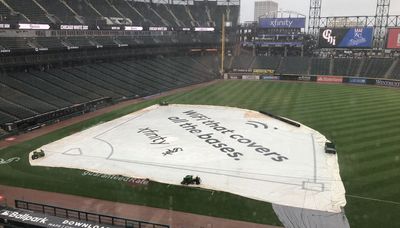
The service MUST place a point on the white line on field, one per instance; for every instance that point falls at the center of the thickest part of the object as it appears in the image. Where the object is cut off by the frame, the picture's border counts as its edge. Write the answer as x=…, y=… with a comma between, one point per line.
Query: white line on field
x=372, y=199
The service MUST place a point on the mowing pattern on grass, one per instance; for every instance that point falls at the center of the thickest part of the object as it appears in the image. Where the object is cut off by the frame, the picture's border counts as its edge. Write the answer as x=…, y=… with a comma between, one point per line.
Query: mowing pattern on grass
x=363, y=121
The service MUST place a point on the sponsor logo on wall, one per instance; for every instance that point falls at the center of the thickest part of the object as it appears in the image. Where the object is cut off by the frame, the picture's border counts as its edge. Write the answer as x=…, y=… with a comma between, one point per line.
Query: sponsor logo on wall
x=242, y=70
x=264, y=71
x=394, y=38
x=346, y=37
x=304, y=78
x=250, y=77
x=329, y=79
x=235, y=77
x=388, y=83
x=357, y=80
x=327, y=35
x=45, y=221
x=269, y=77
x=282, y=22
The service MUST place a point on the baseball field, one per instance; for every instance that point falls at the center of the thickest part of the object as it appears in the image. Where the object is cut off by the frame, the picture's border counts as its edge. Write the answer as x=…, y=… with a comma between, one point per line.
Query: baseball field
x=363, y=121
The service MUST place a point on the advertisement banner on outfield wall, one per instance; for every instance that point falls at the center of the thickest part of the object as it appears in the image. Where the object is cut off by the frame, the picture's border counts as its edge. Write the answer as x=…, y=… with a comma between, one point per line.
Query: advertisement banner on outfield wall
x=269, y=77
x=361, y=81
x=329, y=79
x=394, y=38
x=387, y=83
x=235, y=76
x=251, y=77
x=264, y=71
x=346, y=37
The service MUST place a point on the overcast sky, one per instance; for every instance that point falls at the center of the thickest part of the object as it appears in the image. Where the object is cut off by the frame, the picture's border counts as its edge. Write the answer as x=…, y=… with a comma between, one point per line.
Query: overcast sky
x=329, y=7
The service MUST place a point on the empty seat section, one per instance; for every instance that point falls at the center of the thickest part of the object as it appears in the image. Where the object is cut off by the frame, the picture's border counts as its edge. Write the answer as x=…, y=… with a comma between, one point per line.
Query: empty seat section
x=163, y=75
x=6, y=118
x=396, y=71
x=60, y=11
x=104, y=40
x=320, y=66
x=24, y=100
x=133, y=84
x=146, y=79
x=144, y=9
x=14, y=43
x=192, y=68
x=30, y=9
x=233, y=15
x=211, y=62
x=127, y=10
x=294, y=65
x=15, y=110
x=28, y=89
x=221, y=10
x=198, y=11
x=266, y=62
x=79, y=41
x=169, y=70
x=180, y=12
x=354, y=67
x=7, y=16
x=242, y=62
x=156, y=80
x=163, y=11
x=341, y=66
x=50, y=88
x=94, y=84
x=83, y=9
x=376, y=68
x=104, y=8
x=58, y=81
x=121, y=86
x=49, y=42
x=126, y=40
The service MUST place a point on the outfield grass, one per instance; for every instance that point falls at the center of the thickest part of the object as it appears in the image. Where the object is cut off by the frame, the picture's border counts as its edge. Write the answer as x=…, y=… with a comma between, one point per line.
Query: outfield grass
x=363, y=121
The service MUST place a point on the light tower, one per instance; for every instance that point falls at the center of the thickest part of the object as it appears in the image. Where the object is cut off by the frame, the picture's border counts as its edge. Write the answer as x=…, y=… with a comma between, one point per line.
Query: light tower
x=314, y=17
x=381, y=23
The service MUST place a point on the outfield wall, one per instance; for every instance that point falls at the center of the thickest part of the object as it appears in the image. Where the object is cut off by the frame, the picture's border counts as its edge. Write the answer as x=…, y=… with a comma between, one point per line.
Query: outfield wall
x=317, y=78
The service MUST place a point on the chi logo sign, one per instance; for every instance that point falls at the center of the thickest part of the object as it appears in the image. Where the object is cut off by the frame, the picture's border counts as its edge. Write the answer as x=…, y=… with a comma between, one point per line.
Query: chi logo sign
x=327, y=35
x=14, y=159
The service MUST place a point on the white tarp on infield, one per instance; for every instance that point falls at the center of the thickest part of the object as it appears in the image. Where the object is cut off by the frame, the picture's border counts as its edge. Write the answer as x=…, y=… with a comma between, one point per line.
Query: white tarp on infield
x=234, y=150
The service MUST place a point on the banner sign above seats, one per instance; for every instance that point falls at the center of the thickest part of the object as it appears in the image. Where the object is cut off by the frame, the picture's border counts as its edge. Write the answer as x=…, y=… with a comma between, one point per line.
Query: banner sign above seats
x=394, y=38
x=346, y=37
x=282, y=22
x=242, y=70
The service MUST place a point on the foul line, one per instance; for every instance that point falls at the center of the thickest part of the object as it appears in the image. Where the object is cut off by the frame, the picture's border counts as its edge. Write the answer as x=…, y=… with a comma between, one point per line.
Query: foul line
x=372, y=199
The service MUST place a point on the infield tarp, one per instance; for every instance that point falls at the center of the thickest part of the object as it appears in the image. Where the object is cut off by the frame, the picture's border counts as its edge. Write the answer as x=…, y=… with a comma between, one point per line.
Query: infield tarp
x=233, y=150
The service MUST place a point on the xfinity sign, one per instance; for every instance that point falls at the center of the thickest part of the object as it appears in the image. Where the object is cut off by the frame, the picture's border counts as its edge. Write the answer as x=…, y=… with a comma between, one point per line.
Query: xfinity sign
x=282, y=22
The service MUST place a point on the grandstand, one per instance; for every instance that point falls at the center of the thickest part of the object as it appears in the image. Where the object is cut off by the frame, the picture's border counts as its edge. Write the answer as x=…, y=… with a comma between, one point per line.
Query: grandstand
x=29, y=94
x=64, y=58
x=364, y=67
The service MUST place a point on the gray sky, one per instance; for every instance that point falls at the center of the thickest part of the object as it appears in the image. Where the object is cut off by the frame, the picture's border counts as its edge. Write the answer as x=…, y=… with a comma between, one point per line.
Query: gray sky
x=329, y=7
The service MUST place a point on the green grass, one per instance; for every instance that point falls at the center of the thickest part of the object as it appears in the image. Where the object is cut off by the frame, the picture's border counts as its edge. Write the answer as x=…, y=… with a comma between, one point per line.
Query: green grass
x=363, y=121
